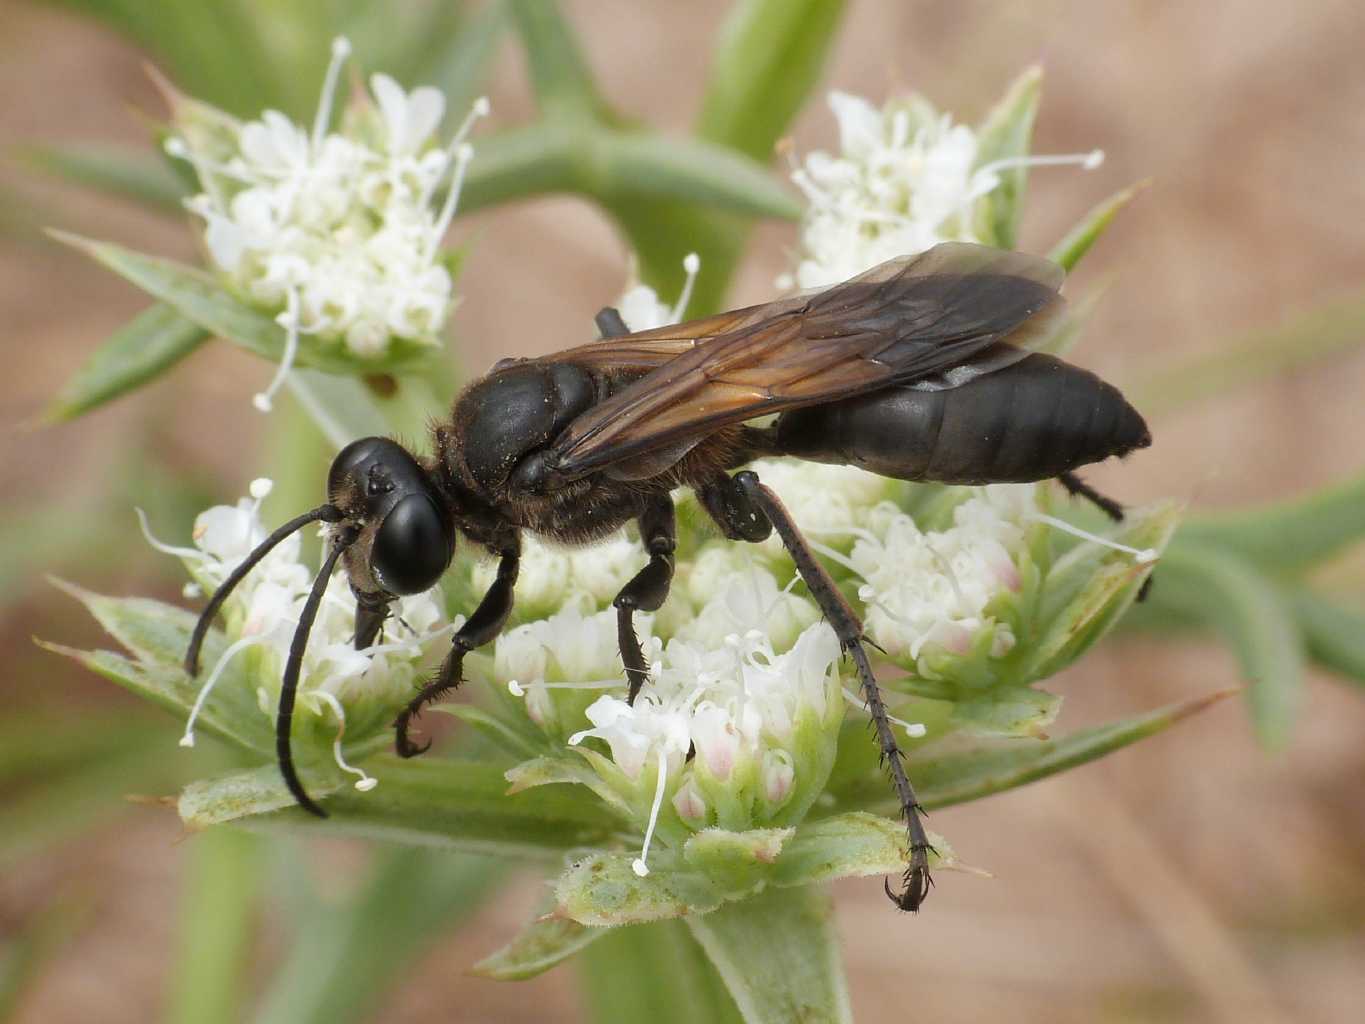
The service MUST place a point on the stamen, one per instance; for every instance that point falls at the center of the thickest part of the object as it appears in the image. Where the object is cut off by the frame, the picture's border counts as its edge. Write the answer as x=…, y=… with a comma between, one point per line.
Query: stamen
x=366, y=782
x=1140, y=555
x=516, y=689
x=166, y=549
x=912, y=729
x=341, y=49
x=480, y=108
x=856, y=532
x=289, y=320
x=639, y=866
x=463, y=154
x=691, y=266
x=259, y=490
x=187, y=740
x=832, y=555
x=1086, y=161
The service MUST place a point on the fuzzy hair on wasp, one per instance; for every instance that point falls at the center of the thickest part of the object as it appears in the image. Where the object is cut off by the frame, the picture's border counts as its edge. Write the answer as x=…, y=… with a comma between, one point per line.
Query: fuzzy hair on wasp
x=919, y=369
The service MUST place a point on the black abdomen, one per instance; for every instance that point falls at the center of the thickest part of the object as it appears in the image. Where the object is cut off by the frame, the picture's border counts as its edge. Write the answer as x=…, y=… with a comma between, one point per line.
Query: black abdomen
x=1035, y=419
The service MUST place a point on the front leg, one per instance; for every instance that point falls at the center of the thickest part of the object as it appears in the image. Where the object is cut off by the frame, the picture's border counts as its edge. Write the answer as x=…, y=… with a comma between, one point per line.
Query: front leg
x=849, y=630
x=481, y=627
x=648, y=590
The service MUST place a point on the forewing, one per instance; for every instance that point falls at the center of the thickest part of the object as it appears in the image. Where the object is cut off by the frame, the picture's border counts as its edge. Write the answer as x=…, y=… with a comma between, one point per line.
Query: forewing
x=646, y=350
x=909, y=319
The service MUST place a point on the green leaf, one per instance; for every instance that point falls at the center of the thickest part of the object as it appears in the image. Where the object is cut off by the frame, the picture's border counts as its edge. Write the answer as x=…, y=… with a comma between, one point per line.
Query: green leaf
x=779, y=956
x=655, y=973
x=506, y=737
x=1227, y=593
x=1333, y=633
x=1089, y=588
x=216, y=922
x=151, y=344
x=547, y=771
x=736, y=862
x=128, y=174
x=559, y=74
x=158, y=635
x=995, y=766
x=1329, y=329
x=769, y=54
x=544, y=943
x=200, y=299
x=1007, y=132
x=603, y=890
x=1012, y=711
x=853, y=845
x=459, y=805
x=1077, y=242
x=638, y=165
x=347, y=957
x=1286, y=536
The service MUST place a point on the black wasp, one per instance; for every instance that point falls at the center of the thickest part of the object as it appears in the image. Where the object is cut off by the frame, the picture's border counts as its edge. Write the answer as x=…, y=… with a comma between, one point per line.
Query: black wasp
x=919, y=369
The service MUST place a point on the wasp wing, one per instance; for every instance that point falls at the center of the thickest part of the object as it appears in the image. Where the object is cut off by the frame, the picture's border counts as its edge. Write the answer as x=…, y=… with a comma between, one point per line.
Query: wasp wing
x=645, y=350
x=918, y=318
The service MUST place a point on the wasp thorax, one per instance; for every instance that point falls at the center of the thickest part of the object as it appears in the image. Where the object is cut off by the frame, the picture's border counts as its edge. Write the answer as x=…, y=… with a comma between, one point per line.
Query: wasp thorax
x=407, y=537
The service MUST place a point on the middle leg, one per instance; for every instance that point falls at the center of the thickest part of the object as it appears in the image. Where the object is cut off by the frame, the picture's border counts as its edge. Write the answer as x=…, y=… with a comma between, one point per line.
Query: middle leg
x=647, y=591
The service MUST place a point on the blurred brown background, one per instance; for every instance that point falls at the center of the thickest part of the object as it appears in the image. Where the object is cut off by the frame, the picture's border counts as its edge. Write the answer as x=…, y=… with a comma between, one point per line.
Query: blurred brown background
x=1191, y=878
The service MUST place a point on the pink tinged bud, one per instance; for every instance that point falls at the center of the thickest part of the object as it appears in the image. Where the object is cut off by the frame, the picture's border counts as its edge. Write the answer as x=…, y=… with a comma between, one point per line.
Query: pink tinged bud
x=689, y=803
x=1008, y=574
x=716, y=739
x=954, y=637
x=539, y=706
x=779, y=774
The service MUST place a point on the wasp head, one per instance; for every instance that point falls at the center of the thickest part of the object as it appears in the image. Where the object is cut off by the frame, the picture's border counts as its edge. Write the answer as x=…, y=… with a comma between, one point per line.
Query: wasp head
x=406, y=534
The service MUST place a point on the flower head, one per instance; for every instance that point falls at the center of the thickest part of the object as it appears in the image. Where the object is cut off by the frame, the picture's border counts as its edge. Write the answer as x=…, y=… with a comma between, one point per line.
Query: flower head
x=261, y=614
x=337, y=232
x=905, y=179
x=936, y=591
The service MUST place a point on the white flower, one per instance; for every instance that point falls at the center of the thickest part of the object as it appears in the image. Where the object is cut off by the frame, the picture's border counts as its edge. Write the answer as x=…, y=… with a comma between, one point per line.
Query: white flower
x=642, y=309
x=549, y=576
x=560, y=663
x=736, y=596
x=749, y=713
x=931, y=590
x=905, y=179
x=344, y=223
x=409, y=118
x=263, y=611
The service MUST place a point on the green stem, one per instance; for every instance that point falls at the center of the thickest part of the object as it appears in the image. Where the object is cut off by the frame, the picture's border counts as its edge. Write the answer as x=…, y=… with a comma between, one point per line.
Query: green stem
x=653, y=972
x=779, y=956
x=215, y=929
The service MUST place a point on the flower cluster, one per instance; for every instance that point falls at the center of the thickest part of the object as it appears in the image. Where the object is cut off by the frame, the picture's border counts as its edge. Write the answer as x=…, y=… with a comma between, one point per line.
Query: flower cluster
x=937, y=590
x=263, y=610
x=906, y=178
x=338, y=232
x=737, y=725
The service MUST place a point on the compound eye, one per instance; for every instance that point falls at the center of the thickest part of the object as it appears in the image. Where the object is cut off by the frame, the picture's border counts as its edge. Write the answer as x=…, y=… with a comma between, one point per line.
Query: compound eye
x=412, y=548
